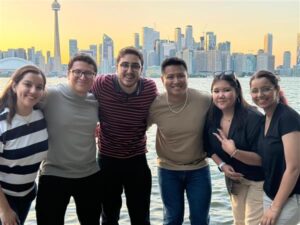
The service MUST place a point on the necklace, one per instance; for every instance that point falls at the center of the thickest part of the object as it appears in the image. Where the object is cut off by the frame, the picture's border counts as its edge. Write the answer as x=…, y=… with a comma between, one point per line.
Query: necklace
x=27, y=119
x=182, y=108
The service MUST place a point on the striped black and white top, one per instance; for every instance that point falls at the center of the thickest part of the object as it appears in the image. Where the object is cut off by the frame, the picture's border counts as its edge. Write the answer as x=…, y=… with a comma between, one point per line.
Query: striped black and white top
x=23, y=145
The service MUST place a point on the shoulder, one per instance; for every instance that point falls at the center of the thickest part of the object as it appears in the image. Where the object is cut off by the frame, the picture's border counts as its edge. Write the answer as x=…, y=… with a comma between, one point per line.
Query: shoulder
x=56, y=89
x=253, y=113
x=148, y=83
x=102, y=81
x=286, y=114
x=286, y=119
x=104, y=77
x=198, y=95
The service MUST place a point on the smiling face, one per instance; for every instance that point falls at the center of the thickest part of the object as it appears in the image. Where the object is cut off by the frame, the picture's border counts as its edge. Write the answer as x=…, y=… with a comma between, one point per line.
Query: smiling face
x=129, y=70
x=175, y=80
x=263, y=93
x=224, y=95
x=81, y=84
x=29, y=91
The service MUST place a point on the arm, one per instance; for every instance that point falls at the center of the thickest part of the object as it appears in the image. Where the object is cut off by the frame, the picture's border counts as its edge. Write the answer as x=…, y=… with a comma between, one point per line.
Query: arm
x=291, y=145
x=7, y=215
x=228, y=145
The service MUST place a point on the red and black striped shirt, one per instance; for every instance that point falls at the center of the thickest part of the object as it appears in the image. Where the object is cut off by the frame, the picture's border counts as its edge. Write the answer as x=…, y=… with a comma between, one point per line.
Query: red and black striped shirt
x=123, y=117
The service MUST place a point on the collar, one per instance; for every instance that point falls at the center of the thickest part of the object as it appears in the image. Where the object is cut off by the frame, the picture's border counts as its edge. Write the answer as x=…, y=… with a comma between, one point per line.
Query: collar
x=118, y=89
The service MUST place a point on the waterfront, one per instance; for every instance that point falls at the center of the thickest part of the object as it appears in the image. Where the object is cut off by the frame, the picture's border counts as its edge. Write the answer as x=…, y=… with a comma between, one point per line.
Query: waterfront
x=220, y=207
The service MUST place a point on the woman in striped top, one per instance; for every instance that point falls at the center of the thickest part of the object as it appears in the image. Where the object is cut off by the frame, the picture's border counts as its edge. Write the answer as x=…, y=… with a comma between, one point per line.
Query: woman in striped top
x=23, y=142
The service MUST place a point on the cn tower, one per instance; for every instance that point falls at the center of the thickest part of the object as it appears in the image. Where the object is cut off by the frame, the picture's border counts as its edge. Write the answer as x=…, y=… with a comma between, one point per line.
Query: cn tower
x=57, y=58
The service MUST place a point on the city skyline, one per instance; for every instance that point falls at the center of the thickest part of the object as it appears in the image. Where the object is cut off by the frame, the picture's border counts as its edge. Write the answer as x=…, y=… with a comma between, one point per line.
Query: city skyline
x=244, y=24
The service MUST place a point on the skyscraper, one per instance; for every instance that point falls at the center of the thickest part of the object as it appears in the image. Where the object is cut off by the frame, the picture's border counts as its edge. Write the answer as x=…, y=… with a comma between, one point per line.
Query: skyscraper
x=211, y=41
x=107, y=54
x=298, y=49
x=136, y=40
x=268, y=43
x=178, y=38
x=287, y=60
x=57, y=58
x=189, y=40
x=73, y=49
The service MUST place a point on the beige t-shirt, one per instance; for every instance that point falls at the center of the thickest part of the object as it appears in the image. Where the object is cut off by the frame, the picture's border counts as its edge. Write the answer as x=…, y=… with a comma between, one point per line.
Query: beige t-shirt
x=179, y=141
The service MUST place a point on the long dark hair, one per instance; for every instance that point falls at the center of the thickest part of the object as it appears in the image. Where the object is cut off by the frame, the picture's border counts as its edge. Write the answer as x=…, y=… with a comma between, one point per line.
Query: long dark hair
x=8, y=97
x=274, y=80
x=240, y=107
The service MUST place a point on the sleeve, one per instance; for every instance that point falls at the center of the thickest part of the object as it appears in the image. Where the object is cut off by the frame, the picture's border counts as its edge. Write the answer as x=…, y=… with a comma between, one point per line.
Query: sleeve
x=289, y=121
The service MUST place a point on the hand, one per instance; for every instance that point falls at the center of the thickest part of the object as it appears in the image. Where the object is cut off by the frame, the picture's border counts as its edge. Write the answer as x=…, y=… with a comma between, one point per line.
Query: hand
x=228, y=145
x=9, y=217
x=270, y=216
x=230, y=173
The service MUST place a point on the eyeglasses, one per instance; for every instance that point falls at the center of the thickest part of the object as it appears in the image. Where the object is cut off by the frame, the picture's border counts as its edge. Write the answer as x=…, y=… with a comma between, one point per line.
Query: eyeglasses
x=79, y=73
x=224, y=73
x=133, y=66
x=263, y=90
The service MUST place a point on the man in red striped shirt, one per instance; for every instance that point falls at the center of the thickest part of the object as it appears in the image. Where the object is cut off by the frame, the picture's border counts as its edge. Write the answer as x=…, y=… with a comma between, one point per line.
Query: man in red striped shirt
x=124, y=102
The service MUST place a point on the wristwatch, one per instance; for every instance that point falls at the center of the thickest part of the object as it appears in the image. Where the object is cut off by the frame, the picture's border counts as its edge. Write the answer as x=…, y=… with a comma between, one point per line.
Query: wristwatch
x=221, y=165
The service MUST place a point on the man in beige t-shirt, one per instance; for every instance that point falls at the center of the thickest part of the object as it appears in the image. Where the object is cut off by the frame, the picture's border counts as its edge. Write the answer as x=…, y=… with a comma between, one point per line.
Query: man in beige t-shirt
x=179, y=114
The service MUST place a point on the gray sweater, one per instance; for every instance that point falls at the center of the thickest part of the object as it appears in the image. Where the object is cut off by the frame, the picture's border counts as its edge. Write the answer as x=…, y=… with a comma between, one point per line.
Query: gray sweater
x=71, y=121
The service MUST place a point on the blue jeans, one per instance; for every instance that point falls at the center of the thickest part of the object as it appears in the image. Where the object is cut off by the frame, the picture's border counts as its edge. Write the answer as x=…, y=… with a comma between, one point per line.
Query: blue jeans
x=196, y=183
x=21, y=205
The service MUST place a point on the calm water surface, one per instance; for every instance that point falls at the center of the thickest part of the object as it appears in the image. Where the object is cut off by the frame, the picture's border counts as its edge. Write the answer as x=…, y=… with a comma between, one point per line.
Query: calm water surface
x=220, y=211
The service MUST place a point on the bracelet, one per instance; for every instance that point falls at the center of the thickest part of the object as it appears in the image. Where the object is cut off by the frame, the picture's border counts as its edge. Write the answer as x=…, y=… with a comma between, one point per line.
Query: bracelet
x=220, y=166
x=234, y=153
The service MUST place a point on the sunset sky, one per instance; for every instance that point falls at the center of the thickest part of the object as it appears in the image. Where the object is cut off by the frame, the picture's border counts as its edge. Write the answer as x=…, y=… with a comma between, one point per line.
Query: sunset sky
x=26, y=23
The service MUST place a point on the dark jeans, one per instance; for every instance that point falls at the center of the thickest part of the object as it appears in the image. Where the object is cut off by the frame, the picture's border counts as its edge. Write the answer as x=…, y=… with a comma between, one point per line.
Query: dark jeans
x=21, y=205
x=54, y=194
x=134, y=176
x=197, y=186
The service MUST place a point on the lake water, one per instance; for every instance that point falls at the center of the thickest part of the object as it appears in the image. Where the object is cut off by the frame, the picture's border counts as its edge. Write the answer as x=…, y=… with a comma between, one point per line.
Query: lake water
x=220, y=210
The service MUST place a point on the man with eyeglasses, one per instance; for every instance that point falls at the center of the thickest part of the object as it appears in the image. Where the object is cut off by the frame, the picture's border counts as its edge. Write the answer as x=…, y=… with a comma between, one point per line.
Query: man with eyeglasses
x=124, y=101
x=71, y=168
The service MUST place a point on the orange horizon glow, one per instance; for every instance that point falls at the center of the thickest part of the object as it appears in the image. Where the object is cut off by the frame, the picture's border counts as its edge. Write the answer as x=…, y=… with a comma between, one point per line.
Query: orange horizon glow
x=24, y=24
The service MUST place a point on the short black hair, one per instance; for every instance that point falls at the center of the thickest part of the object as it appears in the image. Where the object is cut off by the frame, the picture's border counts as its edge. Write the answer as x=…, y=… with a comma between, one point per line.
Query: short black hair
x=84, y=58
x=173, y=61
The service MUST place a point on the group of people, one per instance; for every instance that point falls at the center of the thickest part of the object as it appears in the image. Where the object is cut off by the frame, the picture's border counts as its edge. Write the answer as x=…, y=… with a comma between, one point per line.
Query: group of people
x=52, y=131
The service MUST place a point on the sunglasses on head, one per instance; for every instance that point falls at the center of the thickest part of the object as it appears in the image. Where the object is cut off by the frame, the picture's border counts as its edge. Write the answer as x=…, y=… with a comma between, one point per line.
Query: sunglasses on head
x=224, y=73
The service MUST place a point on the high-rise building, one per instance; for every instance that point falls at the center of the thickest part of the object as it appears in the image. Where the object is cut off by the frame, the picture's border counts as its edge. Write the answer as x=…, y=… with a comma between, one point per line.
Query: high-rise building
x=93, y=49
x=107, y=54
x=298, y=50
x=149, y=36
x=189, y=40
x=137, y=40
x=287, y=60
x=211, y=41
x=57, y=57
x=73, y=49
x=202, y=43
x=21, y=53
x=265, y=61
x=268, y=43
x=31, y=54
x=224, y=46
x=178, y=41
